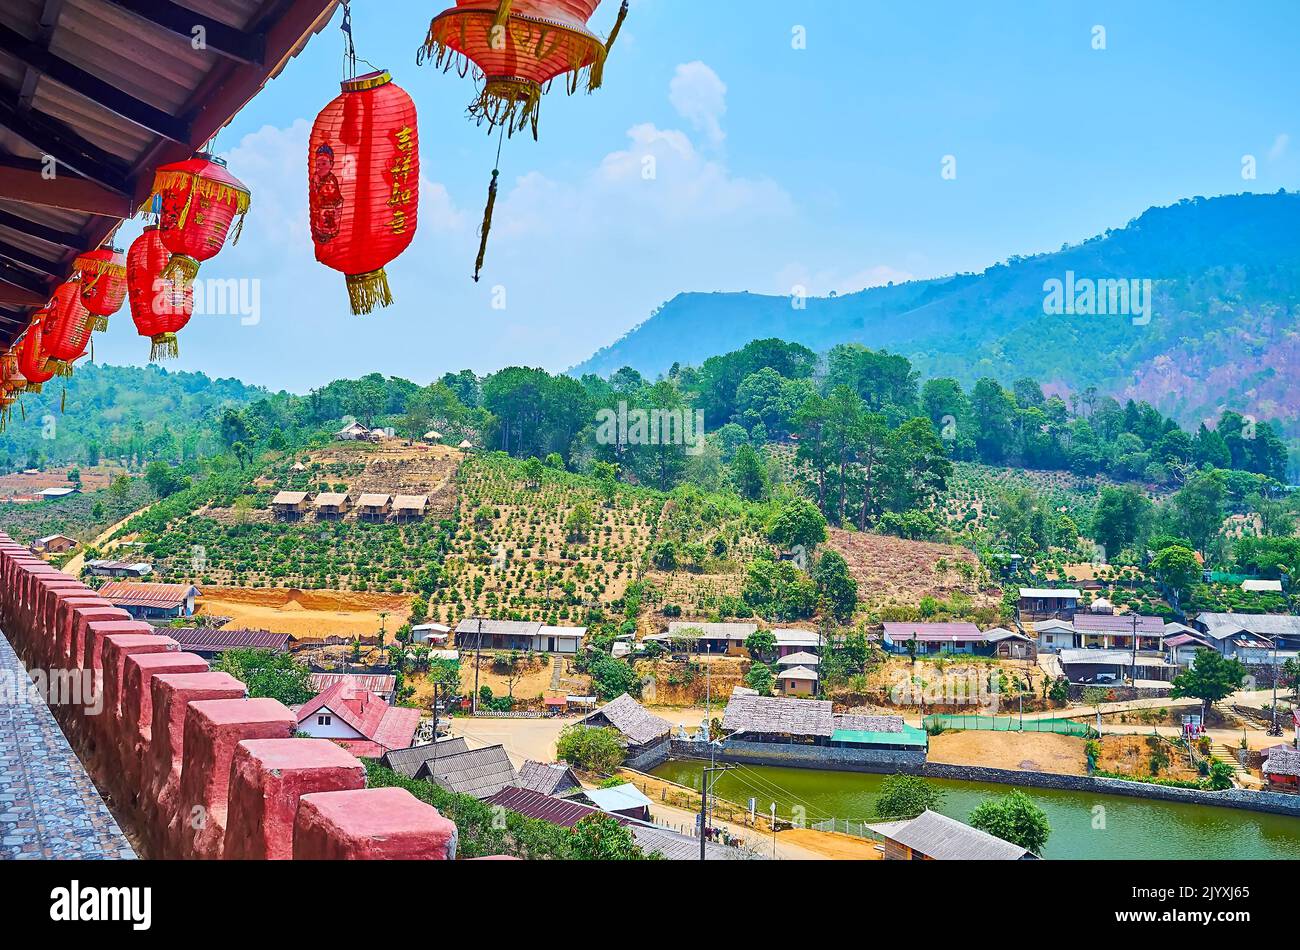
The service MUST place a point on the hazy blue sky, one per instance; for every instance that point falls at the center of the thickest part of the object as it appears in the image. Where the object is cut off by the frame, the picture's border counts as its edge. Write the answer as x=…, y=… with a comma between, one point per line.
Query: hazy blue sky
x=775, y=167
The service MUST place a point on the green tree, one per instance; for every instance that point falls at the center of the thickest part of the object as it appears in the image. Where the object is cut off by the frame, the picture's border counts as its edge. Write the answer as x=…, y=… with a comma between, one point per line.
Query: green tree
x=268, y=675
x=835, y=585
x=759, y=678
x=1178, y=569
x=594, y=750
x=1015, y=818
x=906, y=796
x=798, y=523
x=1212, y=677
x=1120, y=518
x=749, y=473
x=602, y=838
x=761, y=645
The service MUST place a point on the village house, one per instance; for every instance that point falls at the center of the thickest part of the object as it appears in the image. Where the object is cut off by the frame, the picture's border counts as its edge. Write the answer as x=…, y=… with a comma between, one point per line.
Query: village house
x=152, y=601
x=410, y=507
x=54, y=494
x=1182, y=642
x=331, y=506
x=210, y=643
x=1096, y=667
x=289, y=505
x=548, y=778
x=1282, y=768
x=1255, y=639
x=955, y=637
x=710, y=638
x=797, y=681
x=373, y=507
x=1045, y=603
x=626, y=801
x=358, y=720
x=935, y=837
x=383, y=685
x=432, y=633
x=565, y=813
x=353, y=432
x=642, y=733
x=479, y=773
x=1102, y=631
x=806, y=732
x=103, y=568
x=408, y=761
x=54, y=544
x=474, y=633
x=803, y=642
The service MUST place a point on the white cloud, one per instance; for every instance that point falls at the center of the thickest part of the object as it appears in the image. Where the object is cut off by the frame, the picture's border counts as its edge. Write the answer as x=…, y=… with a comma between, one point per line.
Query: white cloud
x=700, y=97
x=1279, y=147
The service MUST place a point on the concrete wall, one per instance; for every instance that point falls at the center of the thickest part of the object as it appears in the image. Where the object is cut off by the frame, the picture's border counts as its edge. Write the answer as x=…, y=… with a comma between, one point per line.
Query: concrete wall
x=195, y=768
x=804, y=756
x=1278, y=803
x=649, y=758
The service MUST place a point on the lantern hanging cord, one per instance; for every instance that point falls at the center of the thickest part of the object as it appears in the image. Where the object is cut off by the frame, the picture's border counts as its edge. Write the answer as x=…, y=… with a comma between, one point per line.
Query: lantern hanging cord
x=486, y=227
x=350, y=56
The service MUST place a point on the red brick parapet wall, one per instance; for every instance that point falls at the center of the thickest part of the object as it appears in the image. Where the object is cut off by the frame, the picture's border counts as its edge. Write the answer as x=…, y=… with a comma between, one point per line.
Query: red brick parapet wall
x=192, y=765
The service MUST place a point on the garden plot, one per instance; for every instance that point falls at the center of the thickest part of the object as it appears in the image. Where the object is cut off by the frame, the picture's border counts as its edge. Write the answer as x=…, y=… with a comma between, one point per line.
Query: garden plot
x=545, y=552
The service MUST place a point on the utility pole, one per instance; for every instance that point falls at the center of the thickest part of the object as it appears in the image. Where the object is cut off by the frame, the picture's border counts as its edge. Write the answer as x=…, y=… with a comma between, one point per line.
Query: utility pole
x=773, y=831
x=706, y=786
x=478, y=653
x=1134, y=670
x=1275, y=671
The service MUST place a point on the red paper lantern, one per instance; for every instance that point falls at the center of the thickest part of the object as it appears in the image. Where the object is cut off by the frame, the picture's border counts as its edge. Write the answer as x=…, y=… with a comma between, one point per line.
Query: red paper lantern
x=160, y=306
x=103, y=283
x=364, y=174
x=519, y=46
x=32, y=361
x=199, y=202
x=66, y=333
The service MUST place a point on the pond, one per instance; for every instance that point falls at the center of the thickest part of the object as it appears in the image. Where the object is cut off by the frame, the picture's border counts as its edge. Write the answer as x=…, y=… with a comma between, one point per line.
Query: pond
x=1084, y=825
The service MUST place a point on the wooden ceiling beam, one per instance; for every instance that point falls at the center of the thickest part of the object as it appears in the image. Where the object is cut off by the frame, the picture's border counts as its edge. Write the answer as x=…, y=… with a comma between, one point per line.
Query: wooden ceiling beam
x=41, y=62
x=224, y=40
x=42, y=232
x=37, y=263
x=30, y=181
x=55, y=139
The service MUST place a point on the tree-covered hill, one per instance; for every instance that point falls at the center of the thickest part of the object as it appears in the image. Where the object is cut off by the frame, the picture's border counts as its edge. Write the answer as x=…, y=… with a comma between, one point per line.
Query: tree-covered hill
x=139, y=413
x=1222, y=334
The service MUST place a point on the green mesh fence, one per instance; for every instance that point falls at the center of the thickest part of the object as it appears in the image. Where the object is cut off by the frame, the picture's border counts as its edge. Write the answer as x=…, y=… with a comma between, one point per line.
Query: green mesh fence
x=1065, y=727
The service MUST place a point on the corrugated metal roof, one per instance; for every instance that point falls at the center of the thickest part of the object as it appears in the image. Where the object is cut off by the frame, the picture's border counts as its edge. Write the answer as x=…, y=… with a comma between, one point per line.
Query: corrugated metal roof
x=408, y=761
x=1048, y=593
x=204, y=639
x=478, y=772
x=945, y=839
x=932, y=632
x=164, y=596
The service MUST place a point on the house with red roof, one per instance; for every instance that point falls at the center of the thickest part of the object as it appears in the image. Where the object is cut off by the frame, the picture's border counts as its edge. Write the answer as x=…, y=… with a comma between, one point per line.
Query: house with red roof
x=358, y=720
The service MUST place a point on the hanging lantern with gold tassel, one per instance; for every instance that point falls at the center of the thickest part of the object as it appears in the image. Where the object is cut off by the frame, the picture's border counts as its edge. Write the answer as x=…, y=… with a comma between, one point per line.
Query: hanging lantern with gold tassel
x=103, y=283
x=198, y=203
x=516, y=48
x=32, y=361
x=364, y=175
x=160, y=306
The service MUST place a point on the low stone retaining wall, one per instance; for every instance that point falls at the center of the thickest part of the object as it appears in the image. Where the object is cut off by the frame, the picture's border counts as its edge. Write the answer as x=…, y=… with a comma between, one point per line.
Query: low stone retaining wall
x=191, y=765
x=803, y=756
x=648, y=760
x=1277, y=803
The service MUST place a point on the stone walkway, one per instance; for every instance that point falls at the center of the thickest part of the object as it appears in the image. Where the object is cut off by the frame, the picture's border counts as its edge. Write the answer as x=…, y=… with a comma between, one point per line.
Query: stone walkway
x=49, y=807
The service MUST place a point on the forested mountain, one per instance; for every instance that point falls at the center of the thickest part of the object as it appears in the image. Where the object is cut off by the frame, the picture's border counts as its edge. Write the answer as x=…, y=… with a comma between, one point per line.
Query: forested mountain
x=1222, y=334
x=114, y=412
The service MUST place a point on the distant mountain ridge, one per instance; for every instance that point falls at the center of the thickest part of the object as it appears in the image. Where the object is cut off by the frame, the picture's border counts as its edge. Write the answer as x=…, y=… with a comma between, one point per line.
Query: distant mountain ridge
x=1223, y=332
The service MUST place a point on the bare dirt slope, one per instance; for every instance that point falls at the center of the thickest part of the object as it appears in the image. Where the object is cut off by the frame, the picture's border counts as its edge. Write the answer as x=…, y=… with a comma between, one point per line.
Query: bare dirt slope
x=894, y=571
x=307, y=615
